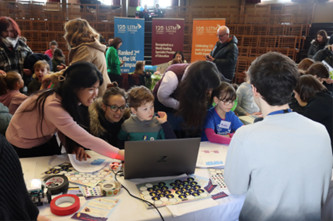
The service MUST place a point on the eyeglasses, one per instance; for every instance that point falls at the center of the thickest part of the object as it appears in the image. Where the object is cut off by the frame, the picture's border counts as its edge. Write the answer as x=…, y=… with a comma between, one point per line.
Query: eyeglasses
x=228, y=102
x=115, y=108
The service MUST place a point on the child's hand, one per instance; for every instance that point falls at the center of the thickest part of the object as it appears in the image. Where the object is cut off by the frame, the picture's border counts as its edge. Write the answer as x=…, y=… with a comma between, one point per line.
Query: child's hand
x=231, y=135
x=162, y=117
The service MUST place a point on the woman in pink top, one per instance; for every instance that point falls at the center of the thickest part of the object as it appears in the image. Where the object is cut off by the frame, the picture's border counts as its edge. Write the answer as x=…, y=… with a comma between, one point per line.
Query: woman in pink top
x=33, y=126
x=10, y=96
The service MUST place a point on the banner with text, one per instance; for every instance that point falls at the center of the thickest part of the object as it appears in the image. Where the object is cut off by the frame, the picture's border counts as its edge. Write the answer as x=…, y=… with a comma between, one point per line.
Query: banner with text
x=131, y=31
x=167, y=38
x=204, y=37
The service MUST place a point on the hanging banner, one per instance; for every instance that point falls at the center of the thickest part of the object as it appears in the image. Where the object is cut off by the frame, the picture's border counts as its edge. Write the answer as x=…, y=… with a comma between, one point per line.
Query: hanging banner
x=131, y=31
x=167, y=38
x=204, y=37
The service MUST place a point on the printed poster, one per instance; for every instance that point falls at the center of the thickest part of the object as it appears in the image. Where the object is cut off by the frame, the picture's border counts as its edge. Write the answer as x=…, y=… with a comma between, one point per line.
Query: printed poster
x=131, y=31
x=167, y=38
x=204, y=37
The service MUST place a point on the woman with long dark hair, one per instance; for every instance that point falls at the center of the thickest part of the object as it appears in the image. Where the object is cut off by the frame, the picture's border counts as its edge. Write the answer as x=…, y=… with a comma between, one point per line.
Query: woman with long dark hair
x=316, y=101
x=319, y=43
x=34, y=124
x=195, y=90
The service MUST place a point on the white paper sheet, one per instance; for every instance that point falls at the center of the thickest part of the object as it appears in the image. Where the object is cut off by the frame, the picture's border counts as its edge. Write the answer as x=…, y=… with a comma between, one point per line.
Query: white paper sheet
x=211, y=155
x=181, y=209
x=95, y=163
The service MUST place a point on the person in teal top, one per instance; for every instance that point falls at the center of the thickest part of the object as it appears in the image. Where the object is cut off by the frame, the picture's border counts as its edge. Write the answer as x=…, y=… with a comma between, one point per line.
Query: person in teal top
x=143, y=124
x=112, y=60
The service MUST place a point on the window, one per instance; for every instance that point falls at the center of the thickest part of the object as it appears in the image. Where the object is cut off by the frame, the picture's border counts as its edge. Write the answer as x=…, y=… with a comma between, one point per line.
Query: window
x=42, y=2
x=165, y=3
x=106, y=2
x=275, y=1
x=151, y=3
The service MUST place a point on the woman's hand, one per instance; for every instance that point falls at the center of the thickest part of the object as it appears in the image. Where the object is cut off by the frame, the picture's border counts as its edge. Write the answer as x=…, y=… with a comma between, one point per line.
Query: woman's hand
x=121, y=155
x=81, y=154
x=162, y=117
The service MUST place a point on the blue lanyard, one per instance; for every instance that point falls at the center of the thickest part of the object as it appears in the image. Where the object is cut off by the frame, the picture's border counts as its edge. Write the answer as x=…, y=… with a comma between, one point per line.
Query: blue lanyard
x=280, y=112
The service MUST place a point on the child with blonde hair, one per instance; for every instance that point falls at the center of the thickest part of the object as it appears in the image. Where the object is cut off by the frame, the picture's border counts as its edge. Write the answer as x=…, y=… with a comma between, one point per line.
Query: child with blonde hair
x=41, y=68
x=10, y=95
x=143, y=125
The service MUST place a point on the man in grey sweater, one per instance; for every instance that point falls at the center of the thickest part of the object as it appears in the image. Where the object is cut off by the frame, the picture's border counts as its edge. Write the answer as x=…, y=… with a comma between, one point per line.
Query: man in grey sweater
x=282, y=164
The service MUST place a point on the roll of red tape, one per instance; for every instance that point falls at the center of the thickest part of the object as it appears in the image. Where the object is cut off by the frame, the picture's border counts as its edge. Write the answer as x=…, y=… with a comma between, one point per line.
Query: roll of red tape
x=64, y=211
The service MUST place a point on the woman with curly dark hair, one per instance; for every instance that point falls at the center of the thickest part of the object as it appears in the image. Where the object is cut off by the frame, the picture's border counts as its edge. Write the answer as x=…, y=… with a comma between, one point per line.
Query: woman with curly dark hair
x=107, y=114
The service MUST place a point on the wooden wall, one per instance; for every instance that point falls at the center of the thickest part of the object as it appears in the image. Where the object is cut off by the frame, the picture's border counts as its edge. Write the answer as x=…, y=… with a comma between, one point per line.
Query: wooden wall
x=258, y=27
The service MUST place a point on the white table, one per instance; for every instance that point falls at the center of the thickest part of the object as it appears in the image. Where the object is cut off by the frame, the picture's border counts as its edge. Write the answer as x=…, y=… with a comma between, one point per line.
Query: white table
x=228, y=208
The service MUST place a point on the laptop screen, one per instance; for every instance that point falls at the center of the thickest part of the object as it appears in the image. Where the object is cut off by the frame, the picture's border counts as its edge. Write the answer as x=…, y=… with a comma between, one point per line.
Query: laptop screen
x=160, y=157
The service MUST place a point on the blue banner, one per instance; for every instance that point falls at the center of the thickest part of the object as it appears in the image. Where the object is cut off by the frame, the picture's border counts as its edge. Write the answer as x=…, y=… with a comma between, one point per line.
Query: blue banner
x=131, y=31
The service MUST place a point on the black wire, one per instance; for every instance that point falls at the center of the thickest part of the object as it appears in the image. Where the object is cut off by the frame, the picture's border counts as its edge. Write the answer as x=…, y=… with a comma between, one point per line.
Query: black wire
x=147, y=202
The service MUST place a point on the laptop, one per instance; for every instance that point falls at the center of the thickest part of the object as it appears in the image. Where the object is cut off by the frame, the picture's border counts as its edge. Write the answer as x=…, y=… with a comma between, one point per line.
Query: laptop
x=160, y=157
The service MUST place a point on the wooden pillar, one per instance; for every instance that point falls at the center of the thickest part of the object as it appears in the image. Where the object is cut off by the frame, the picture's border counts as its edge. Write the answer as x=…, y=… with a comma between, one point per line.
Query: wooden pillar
x=124, y=5
x=242, y=10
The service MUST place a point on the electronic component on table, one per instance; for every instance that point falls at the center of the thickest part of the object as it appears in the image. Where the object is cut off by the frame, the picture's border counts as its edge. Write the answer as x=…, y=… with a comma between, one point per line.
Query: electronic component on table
x=170, y=192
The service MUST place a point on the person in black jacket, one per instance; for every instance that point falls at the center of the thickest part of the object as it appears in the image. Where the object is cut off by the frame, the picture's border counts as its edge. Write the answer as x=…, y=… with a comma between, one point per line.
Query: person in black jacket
x=225, y=53
x=319, y=43
x=316, y=100
x=325, y=54
x=15, y=203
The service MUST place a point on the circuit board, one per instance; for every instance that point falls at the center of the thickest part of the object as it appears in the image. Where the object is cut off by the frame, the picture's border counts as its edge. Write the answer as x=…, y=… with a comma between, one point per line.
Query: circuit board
x=175, y=191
